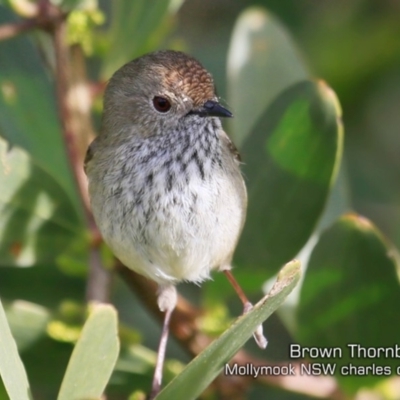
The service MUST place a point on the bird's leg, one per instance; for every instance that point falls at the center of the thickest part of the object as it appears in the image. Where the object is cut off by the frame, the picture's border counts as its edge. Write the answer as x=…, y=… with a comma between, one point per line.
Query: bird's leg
x=158, y=372
x=167, y=298
x=259, y=337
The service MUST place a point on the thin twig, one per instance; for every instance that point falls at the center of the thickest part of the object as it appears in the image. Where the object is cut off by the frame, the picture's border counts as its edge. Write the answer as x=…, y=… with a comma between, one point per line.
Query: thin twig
x=62, y=80
x=98, y=282
x=8, y=31
x=41, y=15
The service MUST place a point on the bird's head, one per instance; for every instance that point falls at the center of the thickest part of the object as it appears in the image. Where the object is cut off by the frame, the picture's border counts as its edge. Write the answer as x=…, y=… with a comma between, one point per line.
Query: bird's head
x=159, y=91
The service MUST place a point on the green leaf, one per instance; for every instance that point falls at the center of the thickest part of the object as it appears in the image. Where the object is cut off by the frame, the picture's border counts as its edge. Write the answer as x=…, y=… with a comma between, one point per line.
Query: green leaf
x=94, y=356
x=38, y=220
x=69, y=5
x=28, y=322
x=207, y=365
x=29, y=115
x=351, y=295
x=290, y=161
x=262, y=61
x=339, y=201
x=134, y=30
x=12, y=370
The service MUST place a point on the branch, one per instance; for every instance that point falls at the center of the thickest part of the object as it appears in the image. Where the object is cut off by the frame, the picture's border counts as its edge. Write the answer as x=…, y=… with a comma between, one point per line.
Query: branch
x=184, y=327
x=42, y=14
x=99, y=279
x=8, y=31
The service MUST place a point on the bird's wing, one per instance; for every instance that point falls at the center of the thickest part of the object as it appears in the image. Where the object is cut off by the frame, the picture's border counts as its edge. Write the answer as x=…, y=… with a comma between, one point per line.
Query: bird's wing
x=230, y=145
x=89, y=155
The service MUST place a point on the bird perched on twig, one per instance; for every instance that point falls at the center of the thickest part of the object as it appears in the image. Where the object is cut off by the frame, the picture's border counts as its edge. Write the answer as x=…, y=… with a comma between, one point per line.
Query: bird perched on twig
x=164, y=180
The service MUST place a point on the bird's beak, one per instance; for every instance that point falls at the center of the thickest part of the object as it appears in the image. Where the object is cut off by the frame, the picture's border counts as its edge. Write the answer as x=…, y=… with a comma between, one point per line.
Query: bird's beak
x=212, y=108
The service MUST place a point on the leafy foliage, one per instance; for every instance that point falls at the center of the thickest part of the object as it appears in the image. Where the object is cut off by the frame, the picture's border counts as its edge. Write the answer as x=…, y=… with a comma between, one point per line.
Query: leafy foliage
x=288, y=127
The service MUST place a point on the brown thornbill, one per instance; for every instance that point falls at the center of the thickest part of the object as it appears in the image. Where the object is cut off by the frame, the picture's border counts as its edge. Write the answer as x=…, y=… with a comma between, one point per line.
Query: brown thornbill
x=164, y=180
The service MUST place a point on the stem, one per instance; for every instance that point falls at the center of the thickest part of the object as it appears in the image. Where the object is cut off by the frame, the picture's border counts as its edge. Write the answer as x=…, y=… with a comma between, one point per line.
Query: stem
x=8, y=31
x=98, y=283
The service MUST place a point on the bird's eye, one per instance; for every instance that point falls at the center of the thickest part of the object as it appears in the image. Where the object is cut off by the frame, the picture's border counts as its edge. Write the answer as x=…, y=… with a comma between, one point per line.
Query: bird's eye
x=161, y=104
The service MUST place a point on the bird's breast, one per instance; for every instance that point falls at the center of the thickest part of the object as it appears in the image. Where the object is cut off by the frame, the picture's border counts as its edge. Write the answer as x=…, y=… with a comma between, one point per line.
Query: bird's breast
x=172, y=212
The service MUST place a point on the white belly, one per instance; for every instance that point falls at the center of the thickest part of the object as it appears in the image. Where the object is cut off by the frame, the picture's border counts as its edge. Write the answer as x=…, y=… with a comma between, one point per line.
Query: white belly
x=180, y=235
x=170, y=206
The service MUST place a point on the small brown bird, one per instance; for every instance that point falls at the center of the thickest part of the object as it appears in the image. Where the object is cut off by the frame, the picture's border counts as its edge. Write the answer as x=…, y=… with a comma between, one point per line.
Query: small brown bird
x=164, y=180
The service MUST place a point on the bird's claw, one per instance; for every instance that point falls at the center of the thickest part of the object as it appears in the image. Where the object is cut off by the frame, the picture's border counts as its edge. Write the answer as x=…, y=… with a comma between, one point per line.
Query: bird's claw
x=258, y=334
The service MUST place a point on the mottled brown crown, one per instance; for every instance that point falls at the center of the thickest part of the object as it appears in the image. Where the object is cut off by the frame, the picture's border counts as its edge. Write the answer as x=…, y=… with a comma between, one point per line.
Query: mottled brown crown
x=183, y=73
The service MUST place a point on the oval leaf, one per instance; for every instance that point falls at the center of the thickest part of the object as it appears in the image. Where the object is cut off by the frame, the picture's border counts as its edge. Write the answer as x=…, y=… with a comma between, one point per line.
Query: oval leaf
x=290, y=161
x=28, y=322
x=262, y=61
x=94, y=356
x=351, y=295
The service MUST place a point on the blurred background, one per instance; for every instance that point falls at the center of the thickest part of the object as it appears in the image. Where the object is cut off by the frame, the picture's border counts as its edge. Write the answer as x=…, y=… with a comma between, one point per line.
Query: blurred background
x=354, y=46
